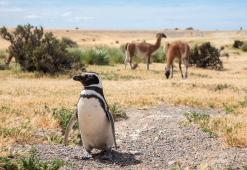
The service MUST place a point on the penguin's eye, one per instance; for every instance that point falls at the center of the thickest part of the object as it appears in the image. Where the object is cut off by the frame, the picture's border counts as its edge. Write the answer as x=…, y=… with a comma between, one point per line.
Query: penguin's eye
x=91, y=79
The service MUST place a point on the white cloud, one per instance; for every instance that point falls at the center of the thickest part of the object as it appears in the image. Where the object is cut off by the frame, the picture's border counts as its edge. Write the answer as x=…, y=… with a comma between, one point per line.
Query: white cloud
x=83, y=18
x=32, y=16
x=67, y=14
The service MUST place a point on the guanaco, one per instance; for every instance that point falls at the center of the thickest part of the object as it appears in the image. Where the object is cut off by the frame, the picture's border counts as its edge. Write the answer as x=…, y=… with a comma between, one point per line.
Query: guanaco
x=142, y=49
x=180, y=50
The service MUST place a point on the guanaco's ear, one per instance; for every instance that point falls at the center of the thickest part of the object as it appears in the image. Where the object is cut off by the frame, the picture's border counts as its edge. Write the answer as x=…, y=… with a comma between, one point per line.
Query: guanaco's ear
x=163, y=35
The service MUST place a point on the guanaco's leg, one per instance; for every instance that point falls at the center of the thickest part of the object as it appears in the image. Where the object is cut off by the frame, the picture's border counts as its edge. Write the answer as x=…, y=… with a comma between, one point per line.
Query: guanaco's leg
x=172, y=71
x=69, y=126
x=130, y=61
x=180, y=68
x=186, y=64
x=148, y=62
x=126, y=59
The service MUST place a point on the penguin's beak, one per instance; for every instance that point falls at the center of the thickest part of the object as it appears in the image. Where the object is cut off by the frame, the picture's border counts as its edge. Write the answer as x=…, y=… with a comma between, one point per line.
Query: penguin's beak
x=77, y=78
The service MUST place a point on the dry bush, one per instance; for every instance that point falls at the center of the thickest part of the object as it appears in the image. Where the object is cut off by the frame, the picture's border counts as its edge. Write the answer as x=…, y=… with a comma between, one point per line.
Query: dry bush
x=35, y=50
x=237, y=44
x=206, y=56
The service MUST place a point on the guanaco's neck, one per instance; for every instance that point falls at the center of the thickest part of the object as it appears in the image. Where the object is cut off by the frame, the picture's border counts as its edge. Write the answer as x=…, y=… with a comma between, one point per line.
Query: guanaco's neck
x=157, y=44
x=170, y=59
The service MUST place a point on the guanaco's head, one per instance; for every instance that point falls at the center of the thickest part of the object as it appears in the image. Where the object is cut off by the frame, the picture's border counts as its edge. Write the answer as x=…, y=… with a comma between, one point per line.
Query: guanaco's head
x=89, y=79
x=161, y=35
x=167, y=72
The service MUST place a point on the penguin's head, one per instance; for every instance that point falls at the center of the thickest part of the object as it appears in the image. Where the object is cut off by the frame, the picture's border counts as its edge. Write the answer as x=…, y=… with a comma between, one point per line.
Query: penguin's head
x=89, y=79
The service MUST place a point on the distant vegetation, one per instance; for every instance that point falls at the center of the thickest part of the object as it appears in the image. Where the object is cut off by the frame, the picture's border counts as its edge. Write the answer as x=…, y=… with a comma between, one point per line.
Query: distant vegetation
x=206, y=56
x=244, y=47
x=159, y=56
x=3, y=55
x=35, y=50
x=98, y=55
x=240, y=45
x=189, y=28
x=69, y=42
x=104, y=55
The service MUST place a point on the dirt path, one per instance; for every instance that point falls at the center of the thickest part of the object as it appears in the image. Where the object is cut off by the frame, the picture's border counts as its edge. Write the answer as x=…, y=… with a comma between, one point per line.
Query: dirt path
x=156, y=139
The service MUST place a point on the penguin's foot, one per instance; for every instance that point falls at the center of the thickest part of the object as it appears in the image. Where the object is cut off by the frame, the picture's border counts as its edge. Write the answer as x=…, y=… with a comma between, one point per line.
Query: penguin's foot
x=87, y=156
x=107, y=155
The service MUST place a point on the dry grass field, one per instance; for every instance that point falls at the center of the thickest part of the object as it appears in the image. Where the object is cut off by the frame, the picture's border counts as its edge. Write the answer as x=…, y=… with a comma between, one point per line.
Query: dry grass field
x=27, y=99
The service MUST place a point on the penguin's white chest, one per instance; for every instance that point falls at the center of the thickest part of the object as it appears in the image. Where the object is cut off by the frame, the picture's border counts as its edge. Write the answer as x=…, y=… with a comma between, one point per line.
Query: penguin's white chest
x=94, y=125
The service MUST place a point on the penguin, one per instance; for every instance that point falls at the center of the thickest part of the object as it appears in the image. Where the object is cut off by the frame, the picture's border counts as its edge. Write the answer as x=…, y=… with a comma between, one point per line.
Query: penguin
x=96, y=122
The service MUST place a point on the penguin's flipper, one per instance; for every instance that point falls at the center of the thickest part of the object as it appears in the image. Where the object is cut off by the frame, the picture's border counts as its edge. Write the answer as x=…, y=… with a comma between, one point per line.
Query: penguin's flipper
x=71, y=123
x=112, y=127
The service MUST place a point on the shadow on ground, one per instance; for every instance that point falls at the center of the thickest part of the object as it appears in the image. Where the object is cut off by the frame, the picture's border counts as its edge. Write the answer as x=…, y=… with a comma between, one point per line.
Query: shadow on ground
x=118, y=158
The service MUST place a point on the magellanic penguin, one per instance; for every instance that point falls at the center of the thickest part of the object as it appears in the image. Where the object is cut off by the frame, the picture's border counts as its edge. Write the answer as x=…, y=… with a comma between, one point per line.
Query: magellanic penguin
x=95, y=120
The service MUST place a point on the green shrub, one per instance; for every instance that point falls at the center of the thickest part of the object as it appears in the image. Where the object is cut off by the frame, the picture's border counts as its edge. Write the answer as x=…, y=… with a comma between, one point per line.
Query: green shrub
x=79, y=54
x=116, y=55
x=237, y=44
x=35, y=50
x=199, y=118
x=24, y=128
x=69, y=42
x=209, y=132
x=3, y=54
x=98, y=55
x=244, y=47
x=159, y=56
x=118, y=112
x=92, y=56
x=63, y=116
x=29, y=162
x=202, y=119
x=206, y=56
x=32, y=162
x=8, y=164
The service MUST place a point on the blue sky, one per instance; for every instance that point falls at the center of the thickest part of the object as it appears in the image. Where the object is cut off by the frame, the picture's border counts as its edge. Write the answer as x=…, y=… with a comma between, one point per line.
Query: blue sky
x=126, y=14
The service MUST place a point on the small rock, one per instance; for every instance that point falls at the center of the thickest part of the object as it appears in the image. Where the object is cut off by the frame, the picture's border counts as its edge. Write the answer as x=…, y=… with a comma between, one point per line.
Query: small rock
x=170, y=163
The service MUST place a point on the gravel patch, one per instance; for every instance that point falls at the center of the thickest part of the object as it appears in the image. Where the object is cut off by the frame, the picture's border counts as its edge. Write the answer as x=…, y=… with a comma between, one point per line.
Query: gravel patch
x=155, y=138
